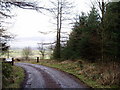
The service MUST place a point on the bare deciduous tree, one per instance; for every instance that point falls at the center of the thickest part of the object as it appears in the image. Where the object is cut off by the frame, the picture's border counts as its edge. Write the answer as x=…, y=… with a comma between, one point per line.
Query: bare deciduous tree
x=7, y=5
x=41, y=49
x=26, y=53
x=5, y=8
x=61, y=9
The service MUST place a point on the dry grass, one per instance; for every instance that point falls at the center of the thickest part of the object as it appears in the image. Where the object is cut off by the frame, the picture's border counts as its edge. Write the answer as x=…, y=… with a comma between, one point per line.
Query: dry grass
x=97, y=75
x=106, y=74
x=103, y=73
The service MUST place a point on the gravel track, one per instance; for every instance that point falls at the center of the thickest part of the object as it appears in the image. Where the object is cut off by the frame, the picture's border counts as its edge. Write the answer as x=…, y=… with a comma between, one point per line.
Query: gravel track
x=39, y=76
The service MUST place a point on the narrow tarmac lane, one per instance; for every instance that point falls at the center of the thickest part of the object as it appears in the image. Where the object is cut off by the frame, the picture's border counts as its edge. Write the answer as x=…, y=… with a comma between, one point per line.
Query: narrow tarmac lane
x=38, y=76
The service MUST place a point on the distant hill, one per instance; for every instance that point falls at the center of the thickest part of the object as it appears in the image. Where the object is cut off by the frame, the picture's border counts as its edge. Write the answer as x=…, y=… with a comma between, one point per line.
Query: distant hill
x=20, y=48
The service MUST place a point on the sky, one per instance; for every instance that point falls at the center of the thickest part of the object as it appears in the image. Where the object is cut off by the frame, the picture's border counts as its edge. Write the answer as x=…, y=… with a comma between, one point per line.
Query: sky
x=27, y=23
x=26, y=28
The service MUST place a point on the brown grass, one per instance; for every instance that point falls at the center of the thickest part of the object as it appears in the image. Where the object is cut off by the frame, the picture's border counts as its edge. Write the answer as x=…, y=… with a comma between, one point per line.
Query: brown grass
x=103, y=73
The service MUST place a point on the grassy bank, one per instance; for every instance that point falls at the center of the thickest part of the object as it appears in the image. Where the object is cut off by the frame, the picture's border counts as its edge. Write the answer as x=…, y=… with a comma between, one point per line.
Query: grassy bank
x=95, y=75
x=15, y=79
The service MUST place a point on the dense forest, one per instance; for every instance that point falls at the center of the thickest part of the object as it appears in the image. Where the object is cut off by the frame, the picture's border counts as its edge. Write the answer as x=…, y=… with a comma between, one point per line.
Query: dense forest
x=95, y=36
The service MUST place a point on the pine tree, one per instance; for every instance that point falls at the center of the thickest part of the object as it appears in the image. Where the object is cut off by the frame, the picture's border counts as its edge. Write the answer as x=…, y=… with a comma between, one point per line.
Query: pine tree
x=84, y=39
x=72, y=50
x=112, y=31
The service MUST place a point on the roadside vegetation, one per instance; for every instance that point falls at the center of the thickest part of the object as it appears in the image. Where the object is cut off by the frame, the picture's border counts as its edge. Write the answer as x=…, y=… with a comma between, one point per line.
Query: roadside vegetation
x=95, y=75
x=12, y=76
x=94, y=41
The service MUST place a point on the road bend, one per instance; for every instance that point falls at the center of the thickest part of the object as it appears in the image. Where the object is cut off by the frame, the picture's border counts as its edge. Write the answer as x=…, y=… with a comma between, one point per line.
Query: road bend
x=39, y=76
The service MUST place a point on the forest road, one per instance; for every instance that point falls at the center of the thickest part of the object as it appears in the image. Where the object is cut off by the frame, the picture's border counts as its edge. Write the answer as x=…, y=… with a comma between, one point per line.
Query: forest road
x=39, y=76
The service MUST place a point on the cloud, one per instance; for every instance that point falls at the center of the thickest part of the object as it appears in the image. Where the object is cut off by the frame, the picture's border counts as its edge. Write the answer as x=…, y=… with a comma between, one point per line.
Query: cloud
x=28, y=23
x=31, y=41
x=115, y=0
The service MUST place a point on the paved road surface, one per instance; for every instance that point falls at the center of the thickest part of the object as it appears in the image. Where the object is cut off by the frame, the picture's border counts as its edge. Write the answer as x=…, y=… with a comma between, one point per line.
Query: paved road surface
x=38, y=76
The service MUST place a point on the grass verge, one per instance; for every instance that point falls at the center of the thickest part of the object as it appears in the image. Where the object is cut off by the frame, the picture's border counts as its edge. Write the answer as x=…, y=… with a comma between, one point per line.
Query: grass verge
x=16, y=78
x=84, y=72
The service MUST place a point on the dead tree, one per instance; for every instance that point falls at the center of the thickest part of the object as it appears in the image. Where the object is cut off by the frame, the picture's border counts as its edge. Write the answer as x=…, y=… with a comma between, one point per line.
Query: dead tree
x=102, y=8
x=41, y=49
x=60, y=10
x=43, y=46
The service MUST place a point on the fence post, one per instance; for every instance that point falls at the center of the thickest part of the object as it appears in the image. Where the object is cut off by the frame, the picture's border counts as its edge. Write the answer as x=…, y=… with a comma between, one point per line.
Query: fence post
x=37, y=59
x=12, y=61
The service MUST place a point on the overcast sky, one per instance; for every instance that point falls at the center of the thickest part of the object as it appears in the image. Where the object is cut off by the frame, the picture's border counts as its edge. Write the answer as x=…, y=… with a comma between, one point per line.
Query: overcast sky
x=27, y=24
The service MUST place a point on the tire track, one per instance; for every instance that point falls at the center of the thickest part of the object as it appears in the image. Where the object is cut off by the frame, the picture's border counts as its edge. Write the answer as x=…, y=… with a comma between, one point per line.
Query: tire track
x=49, y=81
x=39, y=76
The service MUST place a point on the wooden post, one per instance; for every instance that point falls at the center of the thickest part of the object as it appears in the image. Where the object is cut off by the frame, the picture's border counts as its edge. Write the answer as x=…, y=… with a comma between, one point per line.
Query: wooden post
x=37, y=59
x=12, y=61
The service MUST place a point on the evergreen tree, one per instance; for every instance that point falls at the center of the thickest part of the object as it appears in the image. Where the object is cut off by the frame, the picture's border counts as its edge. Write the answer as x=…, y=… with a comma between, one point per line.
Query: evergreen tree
x=84, y=39
x=112, y=31
x=71, y=51
x=93, y=33
x=93, y=37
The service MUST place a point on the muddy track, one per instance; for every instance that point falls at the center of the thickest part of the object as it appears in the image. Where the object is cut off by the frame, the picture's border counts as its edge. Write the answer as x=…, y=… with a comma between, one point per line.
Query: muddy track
x=38, y=76
x=49, y=81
